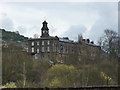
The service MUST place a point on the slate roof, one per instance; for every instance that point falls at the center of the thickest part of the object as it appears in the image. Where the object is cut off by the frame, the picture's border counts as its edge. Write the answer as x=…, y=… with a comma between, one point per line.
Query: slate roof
x=45, y=38
x=66, y=40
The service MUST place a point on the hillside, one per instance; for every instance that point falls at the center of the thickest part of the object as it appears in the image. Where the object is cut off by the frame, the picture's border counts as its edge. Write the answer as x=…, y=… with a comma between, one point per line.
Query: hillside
x=21, y=69
x=12, y=36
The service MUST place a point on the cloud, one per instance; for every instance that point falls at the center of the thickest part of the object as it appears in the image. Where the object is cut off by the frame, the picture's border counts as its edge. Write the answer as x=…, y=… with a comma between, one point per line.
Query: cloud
x=21, y=29
x=60, y=1
x=6, y=22
x=64, y=18
x=30, y=31
x=108, y=19
x=74, y=31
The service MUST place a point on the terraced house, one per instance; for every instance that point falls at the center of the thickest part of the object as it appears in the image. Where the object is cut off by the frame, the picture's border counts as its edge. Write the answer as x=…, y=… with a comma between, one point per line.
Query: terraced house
x=53, y=47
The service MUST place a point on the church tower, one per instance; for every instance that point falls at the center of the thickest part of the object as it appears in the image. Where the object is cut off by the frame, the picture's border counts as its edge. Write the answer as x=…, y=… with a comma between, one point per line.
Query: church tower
x=44, y=30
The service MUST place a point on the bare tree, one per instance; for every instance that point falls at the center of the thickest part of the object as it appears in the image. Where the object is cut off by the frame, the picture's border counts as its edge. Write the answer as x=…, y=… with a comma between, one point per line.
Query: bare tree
x=109, y=41
x=80, y=37
x=36, y=36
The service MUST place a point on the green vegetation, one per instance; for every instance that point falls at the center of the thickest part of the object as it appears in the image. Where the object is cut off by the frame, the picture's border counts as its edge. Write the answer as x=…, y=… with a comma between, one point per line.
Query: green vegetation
x=21, y=70
x=9, y=85
x=8, y=36
x=61, y=76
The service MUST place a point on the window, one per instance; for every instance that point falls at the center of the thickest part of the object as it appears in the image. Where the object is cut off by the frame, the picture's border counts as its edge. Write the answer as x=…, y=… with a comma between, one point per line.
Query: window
x=27, y=49
x=37, y=50
x=48, y=42
x=53, y=44
x=48, y=49
x=32, y=49
x=42, y=42
x=61, y=47
x=38, y=43
x=72, y=49
x=32, y=43
x=43, y=49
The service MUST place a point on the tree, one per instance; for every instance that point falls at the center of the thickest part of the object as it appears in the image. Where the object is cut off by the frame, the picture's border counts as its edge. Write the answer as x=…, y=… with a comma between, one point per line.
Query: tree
x=9, y=85
x=12, y=36
x=61, y=76
x=80, y=37
x=39, y=68
x=72, y=59
x=16, y=64
x=36, y=36
x=109, y=42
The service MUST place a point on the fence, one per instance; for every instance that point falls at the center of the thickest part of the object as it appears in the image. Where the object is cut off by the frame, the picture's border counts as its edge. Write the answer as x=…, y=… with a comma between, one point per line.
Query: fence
x=79, y=88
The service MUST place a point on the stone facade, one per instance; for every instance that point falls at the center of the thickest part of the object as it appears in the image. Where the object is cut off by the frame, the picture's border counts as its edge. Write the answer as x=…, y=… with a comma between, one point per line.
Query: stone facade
x=49, y=47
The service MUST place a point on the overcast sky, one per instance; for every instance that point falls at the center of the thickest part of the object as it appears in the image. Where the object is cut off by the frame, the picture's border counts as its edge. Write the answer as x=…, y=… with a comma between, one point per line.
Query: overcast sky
x=64, y=18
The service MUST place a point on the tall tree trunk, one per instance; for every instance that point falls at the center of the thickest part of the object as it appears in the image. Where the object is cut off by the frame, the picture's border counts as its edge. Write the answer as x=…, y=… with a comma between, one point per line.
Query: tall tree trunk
x=24, y=76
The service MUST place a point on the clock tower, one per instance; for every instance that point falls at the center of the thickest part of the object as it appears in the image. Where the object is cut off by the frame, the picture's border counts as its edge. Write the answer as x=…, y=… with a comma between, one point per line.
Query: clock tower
x=44, y=30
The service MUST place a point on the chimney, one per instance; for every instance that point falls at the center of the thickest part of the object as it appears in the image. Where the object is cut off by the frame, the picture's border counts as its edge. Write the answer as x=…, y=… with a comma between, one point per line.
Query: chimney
x=92, y=42
x=88, y=41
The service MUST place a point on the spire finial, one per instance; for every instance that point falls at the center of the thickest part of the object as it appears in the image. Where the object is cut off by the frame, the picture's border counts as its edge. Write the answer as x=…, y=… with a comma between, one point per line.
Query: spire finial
x=45, y=22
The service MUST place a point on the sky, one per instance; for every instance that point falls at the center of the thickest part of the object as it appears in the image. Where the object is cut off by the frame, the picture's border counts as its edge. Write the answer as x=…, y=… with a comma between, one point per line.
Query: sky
x=65, y=19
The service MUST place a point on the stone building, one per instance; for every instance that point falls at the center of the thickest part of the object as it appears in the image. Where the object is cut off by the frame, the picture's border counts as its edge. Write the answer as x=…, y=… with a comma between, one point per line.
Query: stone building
x=53, y=47
x=47, y=45
x=88, y=50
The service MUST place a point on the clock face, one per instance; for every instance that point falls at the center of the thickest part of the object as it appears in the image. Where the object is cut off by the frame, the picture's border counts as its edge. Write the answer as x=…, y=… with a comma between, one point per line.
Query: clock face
x=43, y=31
